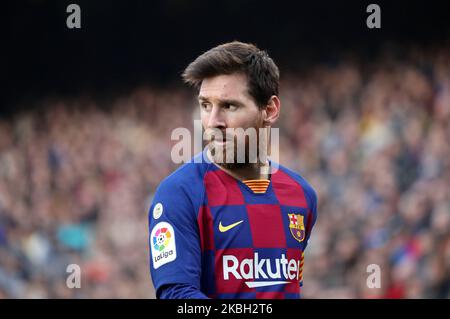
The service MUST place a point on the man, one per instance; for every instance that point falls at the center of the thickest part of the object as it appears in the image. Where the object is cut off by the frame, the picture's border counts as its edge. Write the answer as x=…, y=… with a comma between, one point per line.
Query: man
x=221, y=229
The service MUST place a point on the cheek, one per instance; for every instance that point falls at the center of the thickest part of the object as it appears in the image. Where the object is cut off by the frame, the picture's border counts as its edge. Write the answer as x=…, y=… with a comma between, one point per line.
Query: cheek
x=204, y=118
x=246, y=119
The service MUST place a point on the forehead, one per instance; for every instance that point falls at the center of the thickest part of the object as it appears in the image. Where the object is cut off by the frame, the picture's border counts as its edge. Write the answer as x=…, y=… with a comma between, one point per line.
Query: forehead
x=225, y=86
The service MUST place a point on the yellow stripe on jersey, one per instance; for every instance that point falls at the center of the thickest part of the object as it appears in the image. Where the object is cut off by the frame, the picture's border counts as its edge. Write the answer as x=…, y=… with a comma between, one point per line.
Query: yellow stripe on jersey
x=258, y=186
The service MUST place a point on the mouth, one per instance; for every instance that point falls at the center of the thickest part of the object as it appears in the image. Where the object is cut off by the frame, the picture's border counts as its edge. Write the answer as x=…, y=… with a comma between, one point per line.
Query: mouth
x=221, y=142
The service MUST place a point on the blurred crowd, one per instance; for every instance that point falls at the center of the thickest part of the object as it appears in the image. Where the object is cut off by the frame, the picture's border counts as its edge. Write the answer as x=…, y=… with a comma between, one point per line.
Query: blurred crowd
x=372, y=137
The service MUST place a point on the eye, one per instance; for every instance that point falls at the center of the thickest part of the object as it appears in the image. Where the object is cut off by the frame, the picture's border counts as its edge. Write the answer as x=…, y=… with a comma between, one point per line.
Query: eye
x=230, y=107
x=205, y=106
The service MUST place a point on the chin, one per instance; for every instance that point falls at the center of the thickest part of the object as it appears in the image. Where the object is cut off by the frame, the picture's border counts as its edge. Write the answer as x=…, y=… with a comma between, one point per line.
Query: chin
x=222, y=160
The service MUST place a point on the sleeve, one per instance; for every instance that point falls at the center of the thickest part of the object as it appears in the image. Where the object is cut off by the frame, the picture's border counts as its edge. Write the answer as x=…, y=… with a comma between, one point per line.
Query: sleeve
x=175, y=254
x=312, y=217
x=180, y=291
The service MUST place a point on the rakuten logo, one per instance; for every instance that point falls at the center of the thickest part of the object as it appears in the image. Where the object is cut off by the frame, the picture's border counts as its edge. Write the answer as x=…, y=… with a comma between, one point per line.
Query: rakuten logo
x=261, y=269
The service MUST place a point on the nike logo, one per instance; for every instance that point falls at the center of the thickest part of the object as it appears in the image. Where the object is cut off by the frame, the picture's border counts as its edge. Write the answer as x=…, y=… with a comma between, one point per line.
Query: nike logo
x=223, y=229
x=256, y=284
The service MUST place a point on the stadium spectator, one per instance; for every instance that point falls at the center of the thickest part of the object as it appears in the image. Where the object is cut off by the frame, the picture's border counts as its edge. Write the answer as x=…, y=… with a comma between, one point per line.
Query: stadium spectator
x=372, y=137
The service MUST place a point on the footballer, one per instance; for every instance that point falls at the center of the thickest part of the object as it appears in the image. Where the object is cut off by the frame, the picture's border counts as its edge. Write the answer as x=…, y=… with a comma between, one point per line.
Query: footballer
x=227, y=228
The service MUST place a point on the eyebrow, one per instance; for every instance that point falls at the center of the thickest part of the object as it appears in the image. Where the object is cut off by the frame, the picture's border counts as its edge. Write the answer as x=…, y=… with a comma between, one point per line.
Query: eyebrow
x=223, y=101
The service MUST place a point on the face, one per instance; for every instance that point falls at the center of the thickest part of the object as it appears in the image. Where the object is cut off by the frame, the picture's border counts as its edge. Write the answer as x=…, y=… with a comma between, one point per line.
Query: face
x=226, y=104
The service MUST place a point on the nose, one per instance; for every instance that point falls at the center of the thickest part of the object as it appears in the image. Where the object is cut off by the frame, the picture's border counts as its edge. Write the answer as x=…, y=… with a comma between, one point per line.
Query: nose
x=216, y=118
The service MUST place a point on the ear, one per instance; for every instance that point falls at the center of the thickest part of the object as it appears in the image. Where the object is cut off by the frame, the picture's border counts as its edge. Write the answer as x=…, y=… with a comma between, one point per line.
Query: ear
x=272, y=111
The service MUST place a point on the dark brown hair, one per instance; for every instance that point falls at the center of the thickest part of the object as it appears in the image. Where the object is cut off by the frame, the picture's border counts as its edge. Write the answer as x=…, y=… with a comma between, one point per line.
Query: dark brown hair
x=233, y=57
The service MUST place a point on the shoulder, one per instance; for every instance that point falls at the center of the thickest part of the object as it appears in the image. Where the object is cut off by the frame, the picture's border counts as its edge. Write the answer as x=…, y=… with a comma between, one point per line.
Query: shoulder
x=185, y=183
x=308, y=189
x=187, y=174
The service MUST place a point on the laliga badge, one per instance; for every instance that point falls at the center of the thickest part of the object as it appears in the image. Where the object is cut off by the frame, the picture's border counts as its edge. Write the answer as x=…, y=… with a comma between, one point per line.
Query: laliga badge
x=157, y=211
x=163, y=248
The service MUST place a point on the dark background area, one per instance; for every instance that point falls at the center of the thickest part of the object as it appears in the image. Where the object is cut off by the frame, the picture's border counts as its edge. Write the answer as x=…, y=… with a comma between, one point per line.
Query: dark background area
x=126, y=43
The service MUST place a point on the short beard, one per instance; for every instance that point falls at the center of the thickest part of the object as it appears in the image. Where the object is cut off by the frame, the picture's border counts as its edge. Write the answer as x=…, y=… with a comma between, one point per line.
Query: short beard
x=235, y=164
